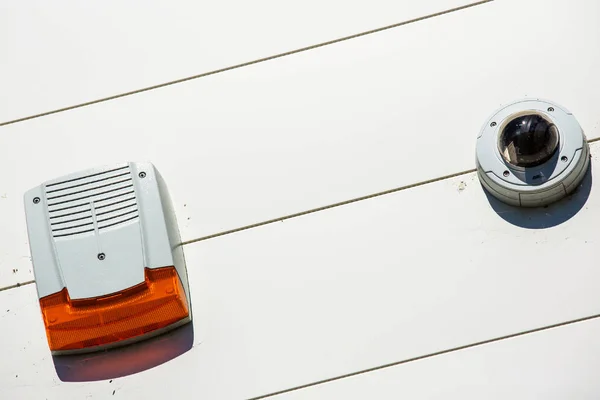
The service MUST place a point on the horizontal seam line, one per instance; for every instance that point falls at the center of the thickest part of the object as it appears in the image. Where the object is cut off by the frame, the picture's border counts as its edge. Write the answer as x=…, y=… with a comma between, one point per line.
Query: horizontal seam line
x=405, y=361
x=302, y=213
x=289, y=216
x=16, y=285
x=247, y=63
x=339, y=204
x=334, y=205
x=430, y=355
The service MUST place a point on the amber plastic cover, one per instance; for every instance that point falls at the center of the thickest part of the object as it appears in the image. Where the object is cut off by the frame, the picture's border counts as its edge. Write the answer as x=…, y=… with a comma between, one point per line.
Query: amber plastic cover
x=156, y=303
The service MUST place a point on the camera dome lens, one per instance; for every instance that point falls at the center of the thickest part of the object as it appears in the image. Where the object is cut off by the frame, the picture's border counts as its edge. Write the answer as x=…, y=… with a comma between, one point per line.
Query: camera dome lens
x=528, y=140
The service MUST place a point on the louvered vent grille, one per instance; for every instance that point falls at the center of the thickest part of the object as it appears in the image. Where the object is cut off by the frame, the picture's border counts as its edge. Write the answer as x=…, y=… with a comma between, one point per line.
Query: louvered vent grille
x=105, y=198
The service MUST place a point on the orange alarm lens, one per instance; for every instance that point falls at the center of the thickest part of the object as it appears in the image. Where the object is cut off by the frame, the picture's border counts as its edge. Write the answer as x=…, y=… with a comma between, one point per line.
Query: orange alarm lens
x=156, y=303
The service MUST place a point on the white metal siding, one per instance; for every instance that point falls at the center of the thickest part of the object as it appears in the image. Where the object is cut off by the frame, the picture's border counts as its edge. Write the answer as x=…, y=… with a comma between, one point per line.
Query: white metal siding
x=399, y=276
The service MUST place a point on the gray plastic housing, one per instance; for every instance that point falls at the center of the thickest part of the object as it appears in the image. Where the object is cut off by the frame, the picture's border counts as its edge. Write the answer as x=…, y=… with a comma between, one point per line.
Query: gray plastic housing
x=95, y=231
x=540, y=185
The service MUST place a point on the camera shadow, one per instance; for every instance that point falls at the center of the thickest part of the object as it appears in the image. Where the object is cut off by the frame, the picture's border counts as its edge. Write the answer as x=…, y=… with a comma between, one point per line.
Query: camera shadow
x=547, y=216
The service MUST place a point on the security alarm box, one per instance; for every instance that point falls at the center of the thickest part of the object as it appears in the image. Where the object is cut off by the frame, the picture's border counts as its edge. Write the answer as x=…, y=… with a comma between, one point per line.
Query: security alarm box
x=106, y=257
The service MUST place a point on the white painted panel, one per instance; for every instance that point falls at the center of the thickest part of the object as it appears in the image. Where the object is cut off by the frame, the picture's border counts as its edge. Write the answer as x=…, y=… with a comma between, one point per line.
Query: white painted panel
x=60, y=53
x=350, y=288
x=554, y=365
x=320, y=127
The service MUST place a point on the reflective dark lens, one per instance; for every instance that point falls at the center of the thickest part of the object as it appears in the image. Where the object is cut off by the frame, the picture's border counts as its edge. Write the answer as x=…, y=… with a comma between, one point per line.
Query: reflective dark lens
x=528, y=140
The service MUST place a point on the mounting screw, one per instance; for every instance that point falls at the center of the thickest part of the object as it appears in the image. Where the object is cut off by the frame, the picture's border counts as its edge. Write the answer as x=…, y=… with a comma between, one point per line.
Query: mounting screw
x=142, y=174
x=564, y=158
x=36, y=200
x=506, y=173
x=550, y=109
x=493, y=124
x=101, y=256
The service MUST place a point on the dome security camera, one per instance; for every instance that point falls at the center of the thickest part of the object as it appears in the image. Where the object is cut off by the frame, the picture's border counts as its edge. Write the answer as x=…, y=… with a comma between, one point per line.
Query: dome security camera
x=531, y=153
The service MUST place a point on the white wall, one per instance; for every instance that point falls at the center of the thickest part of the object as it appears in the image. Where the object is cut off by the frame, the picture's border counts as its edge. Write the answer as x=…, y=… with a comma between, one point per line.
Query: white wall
x=64, y=53
x=424, y=269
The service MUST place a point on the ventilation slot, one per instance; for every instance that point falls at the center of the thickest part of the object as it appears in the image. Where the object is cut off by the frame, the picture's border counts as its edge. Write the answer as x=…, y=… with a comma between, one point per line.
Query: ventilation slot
x=116, y=214
x=109, y=194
